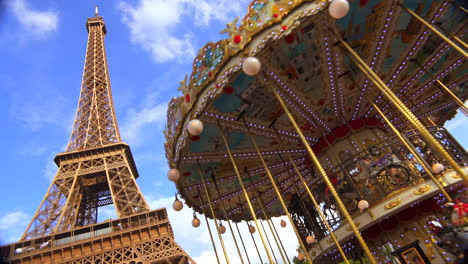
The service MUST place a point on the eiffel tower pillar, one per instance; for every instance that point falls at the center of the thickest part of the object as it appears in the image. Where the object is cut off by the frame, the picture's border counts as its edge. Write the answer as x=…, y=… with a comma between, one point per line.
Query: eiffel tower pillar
x=96, y=170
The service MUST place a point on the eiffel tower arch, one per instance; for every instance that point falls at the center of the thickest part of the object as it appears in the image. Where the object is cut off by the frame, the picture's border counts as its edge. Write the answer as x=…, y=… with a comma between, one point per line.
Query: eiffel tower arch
x=96, y=170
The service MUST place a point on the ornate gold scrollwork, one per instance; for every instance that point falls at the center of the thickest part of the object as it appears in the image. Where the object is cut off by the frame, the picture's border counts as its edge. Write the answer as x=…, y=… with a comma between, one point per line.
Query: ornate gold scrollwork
x=456, y=176
x=422, y=190
x=392, y=204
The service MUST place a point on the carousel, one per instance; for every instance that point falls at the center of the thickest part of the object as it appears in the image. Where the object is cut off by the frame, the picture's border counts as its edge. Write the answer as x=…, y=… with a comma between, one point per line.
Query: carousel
x=330, y=115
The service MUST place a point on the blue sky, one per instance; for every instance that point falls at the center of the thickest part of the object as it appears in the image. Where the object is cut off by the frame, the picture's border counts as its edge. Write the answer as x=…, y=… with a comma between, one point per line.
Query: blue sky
x=150, y=47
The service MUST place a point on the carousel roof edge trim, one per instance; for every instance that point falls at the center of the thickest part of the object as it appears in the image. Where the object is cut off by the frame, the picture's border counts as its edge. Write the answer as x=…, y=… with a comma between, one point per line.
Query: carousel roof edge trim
x=203, y=86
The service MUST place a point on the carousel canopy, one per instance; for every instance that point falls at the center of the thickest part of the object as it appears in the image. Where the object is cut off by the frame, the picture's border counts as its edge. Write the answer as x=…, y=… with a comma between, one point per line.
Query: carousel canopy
x=297, y=44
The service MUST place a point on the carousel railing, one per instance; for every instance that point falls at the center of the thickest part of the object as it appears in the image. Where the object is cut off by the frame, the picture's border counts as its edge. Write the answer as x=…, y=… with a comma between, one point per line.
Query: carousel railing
x=374, y=174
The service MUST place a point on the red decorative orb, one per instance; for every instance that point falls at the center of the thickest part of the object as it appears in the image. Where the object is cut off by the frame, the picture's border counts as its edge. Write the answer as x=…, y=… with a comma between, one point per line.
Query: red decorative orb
x=187, y=98
x=275, y=15
x=284, y=27
x=237, y=39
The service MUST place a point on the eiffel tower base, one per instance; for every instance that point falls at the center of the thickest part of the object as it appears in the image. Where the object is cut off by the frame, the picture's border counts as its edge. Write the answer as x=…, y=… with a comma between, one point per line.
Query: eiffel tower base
x=138, y=239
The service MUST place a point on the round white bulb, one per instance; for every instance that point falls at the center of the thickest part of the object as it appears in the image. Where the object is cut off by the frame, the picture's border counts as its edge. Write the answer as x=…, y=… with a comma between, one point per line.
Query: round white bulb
x=438, y=167
x=177, y=205
x=173, y=175
x=196, y=222
x=195, y=127
x=251, y=66
x=300, y=256
x=222, y=229
x=363, y=205
x=338, y=8
x=251, y=229
x=310, y=239
x=283, y=223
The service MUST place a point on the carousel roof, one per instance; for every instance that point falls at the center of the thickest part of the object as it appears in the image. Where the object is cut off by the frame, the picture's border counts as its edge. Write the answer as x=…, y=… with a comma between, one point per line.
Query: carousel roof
x=296, y=42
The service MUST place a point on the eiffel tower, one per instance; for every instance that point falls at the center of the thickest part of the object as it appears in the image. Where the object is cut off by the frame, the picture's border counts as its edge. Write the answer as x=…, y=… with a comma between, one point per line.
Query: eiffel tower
x=96, y=170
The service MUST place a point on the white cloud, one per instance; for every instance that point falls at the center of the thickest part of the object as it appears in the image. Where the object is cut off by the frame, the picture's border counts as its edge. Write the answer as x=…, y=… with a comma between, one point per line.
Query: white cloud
x=12, y=226
x=197, y=242
x=136, y=121
x=160, y=26
x=35, y=22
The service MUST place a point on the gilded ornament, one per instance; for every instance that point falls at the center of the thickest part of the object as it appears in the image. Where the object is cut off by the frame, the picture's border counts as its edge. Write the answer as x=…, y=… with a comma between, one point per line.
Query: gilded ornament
x=392, y=204
x=422, y=190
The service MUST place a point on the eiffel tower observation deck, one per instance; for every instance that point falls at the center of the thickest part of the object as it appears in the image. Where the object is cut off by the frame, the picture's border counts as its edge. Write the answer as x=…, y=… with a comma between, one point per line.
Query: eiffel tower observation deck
x=97, y=169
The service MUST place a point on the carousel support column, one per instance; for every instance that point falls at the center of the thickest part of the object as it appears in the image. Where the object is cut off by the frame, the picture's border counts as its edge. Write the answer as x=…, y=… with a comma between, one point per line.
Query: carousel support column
x=317, y=207
x=208, y=225
x=268, y=240
x=280, y=198
x=214, y=218
x=224, y=208
x=267, y=217
x=242, y=241
x=444, y=88
x=404, y=110
x=433, y=29
x=412, y=150
x=251, y=235
x=325, y=178
x=246, y=196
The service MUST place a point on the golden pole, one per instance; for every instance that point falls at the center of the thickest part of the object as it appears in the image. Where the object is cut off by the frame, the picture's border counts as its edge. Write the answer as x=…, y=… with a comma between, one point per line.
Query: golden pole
x=283, y=204
x=411, y=149
x=268, y=240
x=326, y=179
x=459, y=6
x=270, y=222
x=208, y=225
x=214, y=219
x=433, y=29
x=317, y=207
x=242, y=241
x=405, y=111
x=267, y=217
x=246, y=196
x=457, y=100
x=224, y=210
x=459, y=40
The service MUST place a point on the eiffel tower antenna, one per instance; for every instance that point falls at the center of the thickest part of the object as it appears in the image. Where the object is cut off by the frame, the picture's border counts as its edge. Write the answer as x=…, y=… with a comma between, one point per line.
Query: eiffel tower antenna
x=97, y=169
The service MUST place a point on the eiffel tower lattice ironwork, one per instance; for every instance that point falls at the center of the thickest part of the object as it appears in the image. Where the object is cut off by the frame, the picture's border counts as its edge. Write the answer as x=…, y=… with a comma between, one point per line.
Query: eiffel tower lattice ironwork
x=96, y=170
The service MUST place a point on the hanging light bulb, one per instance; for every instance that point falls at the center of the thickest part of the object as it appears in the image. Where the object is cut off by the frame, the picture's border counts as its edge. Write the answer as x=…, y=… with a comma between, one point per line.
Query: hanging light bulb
x=363, y=205
x=310, y=239
x=251, y=229
x=251, y=66
x=195, y=127
x=195, y=221
x=438, y=168
x=338, y=8
x=173, y=175
x=282, y=223
x=300, y=256
x=177, y=205
x=221, y=228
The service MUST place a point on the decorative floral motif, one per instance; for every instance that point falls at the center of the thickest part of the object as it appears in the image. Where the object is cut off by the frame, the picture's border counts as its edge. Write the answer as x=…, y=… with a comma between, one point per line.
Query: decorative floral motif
x=205, y=65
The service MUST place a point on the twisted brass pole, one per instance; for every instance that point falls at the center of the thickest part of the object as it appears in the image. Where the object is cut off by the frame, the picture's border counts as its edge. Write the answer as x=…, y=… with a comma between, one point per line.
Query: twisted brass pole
x=242, y=241
x=412, y=150
x=403, y=109
x=317, y=207
x=208, y=225
x=325, y=178
x=433, y=29
x=267, y=217
x=246, y=195
x=280, y=198
x=224, y=210
x=214, y=218
x=444, y=88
